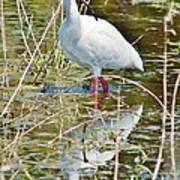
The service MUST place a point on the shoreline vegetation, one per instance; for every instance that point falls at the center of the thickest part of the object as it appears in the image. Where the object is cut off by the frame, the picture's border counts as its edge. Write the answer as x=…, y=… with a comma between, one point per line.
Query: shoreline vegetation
x=43, y=122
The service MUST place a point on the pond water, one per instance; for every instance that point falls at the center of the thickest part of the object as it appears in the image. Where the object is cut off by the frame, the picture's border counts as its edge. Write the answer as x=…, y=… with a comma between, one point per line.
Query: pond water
x=53, y=131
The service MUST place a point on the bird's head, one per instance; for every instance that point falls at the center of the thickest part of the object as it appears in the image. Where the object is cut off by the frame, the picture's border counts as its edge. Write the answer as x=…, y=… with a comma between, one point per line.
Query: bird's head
x=89, y=7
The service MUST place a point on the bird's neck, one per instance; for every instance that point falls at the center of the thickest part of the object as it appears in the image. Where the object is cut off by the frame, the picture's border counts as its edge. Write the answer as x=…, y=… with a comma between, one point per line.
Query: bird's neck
x=71, y=9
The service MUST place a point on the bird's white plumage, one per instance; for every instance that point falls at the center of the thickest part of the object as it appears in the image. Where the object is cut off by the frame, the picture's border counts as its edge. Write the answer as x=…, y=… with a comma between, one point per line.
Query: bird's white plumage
x=96, y=43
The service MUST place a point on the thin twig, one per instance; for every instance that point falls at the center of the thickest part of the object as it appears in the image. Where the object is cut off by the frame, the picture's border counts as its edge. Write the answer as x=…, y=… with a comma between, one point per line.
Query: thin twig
x=173, y=159
x=61, y=134
x=13, y=143
x=142, y=35
x=13, y=176
x=29, y=24
x=4, y=46
x=145, y=89
x=106, y=2
x=28, y=175
x=117, y=143
x=117, y=146
x=21, y=28
x=19, y=136
x=167, y=19
x=40, y=123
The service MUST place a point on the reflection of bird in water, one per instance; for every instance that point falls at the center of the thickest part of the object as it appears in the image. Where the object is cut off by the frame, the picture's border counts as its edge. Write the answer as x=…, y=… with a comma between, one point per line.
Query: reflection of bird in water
x=79, y=159
x=95, y=43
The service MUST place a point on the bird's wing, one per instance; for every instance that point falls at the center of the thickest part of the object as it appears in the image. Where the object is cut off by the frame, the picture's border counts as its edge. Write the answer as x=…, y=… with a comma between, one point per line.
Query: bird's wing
x=102, y=43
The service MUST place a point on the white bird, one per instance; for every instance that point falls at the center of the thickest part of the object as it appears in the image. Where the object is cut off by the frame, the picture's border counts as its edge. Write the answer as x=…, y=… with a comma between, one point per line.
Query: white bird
x=95, y=44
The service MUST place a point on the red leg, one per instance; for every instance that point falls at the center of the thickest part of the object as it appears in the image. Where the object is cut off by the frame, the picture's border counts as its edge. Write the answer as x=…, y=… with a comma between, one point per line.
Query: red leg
x=95, y=91
x=105, y=87
x=105, y=84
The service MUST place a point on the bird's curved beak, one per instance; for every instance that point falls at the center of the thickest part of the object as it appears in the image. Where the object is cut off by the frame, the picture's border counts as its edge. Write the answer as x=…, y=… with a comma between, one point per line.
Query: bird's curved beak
x=91, y=10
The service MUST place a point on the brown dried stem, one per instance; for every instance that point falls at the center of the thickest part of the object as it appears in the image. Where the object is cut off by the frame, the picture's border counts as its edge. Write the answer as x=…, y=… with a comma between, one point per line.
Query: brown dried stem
x=173, y=158
x=4, y=45
x=167, y=19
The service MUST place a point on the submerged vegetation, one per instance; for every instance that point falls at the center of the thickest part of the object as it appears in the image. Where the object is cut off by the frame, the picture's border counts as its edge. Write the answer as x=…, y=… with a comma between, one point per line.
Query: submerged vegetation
x=49, y=128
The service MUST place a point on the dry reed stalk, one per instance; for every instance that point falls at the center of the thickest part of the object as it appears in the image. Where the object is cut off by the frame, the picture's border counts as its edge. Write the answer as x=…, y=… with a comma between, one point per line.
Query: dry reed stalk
x=62, y=13
x=106, y=2
x=12, y=145
x=116, y=169
x=13, y=176
x=145, y=89
x=61, y=126
x=53, y=49
x=20, y=6
x=167, y=19
x=61, y=134
x=117, y=142
x=41, y=123
x=5, y=81
x=24, y=116
x=16, y=139
x=141, y=36
x=18, y=88
x=2, y=177
x=174, y=61
x=21, y=28
x=54, y=29
x=28, y=175
x=173, y=158
x=29, y=25
x=78, y=126
x=15, y=142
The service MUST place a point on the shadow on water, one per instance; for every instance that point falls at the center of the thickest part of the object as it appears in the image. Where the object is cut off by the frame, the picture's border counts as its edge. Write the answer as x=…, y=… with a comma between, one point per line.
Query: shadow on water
x=81, y=89
x=62, y=111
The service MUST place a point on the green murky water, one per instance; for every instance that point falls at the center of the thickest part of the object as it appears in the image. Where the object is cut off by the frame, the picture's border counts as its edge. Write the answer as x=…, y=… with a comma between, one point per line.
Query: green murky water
x=51, y=135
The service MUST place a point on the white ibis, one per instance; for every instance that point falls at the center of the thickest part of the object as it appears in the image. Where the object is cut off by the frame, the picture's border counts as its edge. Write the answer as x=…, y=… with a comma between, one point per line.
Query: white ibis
x=96, y=44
